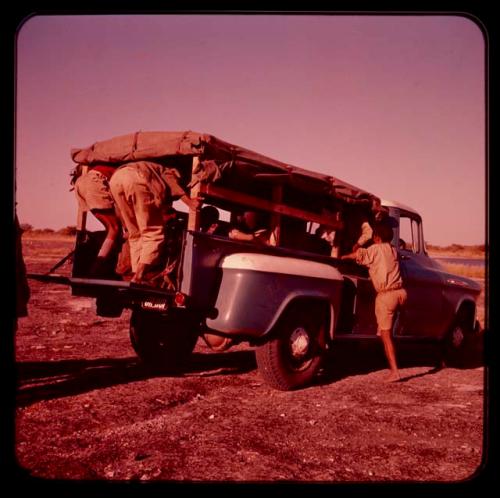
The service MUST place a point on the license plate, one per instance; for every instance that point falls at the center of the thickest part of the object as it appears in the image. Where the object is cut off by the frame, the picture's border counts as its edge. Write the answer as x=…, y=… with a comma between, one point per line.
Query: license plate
x=154, y=304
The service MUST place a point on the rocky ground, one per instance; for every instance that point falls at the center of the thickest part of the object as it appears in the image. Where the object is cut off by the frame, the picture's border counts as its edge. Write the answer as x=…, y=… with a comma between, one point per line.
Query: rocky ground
x=87, y=409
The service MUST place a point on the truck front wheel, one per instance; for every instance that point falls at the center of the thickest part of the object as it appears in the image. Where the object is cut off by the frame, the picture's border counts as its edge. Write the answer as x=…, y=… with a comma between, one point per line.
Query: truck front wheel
x=293, y=356
x=460, y=342
x=163, y=342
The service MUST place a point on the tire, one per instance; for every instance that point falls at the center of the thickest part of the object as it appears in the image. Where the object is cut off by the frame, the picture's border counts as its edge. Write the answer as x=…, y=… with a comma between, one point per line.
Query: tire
x=163, y=342
x=292, y=358
x=458, y=346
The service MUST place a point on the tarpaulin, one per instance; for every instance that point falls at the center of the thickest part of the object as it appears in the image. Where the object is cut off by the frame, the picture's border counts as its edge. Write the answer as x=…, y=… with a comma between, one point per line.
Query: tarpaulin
x=217, y=160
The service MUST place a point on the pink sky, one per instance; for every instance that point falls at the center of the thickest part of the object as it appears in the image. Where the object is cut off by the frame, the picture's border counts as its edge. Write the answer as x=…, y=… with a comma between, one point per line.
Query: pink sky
x=392, y=104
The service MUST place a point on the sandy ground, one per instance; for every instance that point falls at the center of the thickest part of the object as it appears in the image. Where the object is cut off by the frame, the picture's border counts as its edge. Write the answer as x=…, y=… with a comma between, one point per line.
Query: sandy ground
x=88, y=410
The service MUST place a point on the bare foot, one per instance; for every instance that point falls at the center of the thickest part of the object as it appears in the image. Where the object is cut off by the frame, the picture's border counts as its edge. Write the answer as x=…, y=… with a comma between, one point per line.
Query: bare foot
x=393, y=377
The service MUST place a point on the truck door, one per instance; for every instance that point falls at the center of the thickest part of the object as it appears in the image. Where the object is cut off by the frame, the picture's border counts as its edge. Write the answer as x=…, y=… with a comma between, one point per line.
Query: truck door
x=424, y=309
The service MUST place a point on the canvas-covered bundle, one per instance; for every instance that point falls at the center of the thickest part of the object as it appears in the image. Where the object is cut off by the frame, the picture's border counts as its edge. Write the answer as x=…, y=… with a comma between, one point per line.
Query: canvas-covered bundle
x=139, y=146
x=218, y=160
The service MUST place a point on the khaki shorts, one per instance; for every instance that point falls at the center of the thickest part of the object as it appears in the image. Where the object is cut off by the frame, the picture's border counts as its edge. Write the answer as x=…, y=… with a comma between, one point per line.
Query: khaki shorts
x=92, y=191
x=386, y=303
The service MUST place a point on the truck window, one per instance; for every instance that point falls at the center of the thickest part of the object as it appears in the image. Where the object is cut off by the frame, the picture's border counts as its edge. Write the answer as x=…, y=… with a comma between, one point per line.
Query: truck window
x=409, y=234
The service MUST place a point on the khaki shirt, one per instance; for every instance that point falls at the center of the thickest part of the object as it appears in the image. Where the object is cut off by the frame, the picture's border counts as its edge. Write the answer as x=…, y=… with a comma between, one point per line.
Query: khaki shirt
x=163, y=182
x=366, y=233
x=383, y=266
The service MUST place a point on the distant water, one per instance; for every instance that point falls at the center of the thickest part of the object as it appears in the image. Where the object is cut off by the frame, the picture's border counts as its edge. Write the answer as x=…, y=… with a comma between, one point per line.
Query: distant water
x=461, y=261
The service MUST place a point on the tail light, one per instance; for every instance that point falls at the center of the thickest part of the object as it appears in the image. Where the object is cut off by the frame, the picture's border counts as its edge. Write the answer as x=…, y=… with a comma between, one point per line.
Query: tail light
x=180, y=299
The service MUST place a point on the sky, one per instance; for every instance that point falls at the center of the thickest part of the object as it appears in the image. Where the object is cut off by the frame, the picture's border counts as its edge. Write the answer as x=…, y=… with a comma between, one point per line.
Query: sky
x=392, y=104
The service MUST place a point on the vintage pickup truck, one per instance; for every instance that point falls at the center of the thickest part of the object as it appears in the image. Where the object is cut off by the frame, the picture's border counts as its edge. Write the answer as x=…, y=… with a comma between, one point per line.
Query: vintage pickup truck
x=290, y=300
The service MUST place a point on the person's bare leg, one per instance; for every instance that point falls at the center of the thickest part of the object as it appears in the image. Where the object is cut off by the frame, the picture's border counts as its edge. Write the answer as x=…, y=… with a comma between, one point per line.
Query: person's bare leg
x=390, y=354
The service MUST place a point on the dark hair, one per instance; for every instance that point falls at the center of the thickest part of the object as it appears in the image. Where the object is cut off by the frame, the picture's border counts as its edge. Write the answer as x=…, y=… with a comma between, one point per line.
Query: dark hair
x=75, y=173
x=384, y=231
x=260, y=219
x=208, y=216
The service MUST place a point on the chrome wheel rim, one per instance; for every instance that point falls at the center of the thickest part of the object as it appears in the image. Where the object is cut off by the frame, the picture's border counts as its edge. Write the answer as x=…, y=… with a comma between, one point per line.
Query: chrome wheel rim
x=299, y=343
x=457, y=337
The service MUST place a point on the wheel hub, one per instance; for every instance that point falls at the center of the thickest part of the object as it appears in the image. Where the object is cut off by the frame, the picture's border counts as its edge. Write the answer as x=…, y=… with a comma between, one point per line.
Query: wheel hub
x=457, y=337
x=299, y=342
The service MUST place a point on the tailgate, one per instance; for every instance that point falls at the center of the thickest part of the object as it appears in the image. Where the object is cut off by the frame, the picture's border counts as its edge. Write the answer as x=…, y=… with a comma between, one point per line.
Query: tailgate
x=94, y=287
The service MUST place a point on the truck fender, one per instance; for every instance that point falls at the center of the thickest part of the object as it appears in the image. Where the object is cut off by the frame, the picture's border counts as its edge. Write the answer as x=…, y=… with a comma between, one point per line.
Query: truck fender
x=467, y=303
x=296, y=299
x=256, y=289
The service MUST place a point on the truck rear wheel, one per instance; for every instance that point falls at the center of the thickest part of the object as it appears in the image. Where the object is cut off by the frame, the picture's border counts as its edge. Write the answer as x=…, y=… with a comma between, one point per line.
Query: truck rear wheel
x=163, y=342
x=293, y=356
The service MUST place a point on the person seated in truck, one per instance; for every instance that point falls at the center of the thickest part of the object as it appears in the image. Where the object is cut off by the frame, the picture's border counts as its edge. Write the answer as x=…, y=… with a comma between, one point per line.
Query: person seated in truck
x=93, y=194
x=209, y=221
x=141, y=191
x=252, y=227
x=329, y=237
x=329, y=234
x=381, y=258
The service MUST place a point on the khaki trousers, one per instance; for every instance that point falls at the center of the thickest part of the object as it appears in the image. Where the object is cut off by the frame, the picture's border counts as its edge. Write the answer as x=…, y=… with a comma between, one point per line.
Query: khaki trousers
x=141, y=217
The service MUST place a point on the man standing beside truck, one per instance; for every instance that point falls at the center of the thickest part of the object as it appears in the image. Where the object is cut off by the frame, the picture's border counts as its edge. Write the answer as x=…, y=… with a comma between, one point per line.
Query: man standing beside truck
x=383, y=266
x=22, y=287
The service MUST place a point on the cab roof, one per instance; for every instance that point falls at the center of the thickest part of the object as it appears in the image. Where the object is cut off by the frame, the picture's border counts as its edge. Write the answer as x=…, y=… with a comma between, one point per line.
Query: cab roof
x=399, y=205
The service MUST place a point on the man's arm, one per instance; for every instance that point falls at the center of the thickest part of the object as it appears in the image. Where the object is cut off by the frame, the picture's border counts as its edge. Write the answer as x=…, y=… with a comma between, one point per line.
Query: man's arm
x=236, y=234
x=113, y=230
x=351, y=256
x=366, y=235
x=362, y=256
x=191, y=203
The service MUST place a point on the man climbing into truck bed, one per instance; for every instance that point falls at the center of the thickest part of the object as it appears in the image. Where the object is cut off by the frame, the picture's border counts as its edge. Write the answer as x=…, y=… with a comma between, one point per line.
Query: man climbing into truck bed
x=142, y=191
x=93, y=194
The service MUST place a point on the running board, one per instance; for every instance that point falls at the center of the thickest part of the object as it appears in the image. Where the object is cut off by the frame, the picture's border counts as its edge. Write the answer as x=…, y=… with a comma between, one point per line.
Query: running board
x=355, y=337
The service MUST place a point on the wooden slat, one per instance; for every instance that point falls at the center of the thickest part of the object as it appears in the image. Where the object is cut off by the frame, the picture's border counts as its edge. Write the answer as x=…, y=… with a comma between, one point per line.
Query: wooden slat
x=209, y=190
x=81, y=220
x=194, y=214
x=276, y=217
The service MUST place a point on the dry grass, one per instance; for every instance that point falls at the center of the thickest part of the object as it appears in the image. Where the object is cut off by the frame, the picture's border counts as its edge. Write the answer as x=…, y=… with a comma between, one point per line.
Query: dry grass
x=457, y=251
x=465, y=270
x=52, y=236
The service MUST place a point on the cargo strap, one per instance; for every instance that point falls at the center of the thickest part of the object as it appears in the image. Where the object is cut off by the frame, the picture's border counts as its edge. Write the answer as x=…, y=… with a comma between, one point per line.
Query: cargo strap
x=60, y=263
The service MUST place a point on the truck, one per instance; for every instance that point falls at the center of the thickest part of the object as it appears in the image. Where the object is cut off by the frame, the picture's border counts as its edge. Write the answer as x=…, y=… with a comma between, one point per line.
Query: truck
x=291, y=300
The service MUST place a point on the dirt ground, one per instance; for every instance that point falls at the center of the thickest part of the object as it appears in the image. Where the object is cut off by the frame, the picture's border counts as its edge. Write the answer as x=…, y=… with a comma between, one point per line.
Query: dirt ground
x=87, y=409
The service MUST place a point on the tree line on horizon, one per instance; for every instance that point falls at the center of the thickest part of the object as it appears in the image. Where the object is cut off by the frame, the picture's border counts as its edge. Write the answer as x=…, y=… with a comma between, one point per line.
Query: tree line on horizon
x=27, y=228
x=71, y=230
